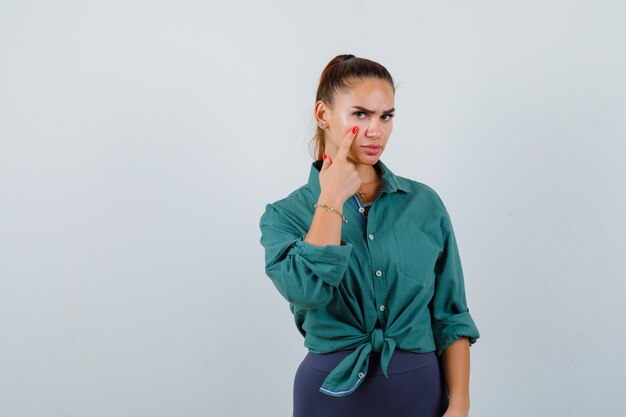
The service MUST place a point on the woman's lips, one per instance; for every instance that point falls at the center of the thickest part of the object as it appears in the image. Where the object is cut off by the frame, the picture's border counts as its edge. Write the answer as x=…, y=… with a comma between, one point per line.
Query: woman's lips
x=372, y=149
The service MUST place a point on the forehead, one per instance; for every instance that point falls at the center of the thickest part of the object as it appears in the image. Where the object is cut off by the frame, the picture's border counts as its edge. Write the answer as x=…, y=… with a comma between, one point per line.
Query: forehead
x=372, y=93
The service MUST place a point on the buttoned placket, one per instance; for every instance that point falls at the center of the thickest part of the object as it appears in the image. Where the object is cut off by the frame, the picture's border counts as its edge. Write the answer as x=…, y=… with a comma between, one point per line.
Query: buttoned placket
x=373, y=246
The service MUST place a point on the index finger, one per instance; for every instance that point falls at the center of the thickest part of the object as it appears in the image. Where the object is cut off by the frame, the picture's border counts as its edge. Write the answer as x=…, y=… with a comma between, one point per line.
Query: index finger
x=345, y=145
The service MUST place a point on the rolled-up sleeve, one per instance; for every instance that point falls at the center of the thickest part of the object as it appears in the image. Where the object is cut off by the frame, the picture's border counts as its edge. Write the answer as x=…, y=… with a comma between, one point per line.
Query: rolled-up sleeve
x=304, y=274
x=450, y=315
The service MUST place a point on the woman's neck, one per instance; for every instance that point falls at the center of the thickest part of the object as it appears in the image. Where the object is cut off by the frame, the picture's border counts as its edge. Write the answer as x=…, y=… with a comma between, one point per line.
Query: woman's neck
x=367, y=173
x=370, y=182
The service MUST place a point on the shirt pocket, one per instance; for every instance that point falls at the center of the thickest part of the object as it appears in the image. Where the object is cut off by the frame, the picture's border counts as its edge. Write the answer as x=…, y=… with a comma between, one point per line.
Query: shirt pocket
x=417, y=253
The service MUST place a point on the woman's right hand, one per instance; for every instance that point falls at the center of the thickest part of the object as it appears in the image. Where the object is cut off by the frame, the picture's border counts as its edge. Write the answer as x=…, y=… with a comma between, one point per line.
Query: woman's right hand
x=339, y=179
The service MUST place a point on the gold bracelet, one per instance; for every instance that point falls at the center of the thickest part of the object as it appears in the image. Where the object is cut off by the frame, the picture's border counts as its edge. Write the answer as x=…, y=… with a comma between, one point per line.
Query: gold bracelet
x=328, y=208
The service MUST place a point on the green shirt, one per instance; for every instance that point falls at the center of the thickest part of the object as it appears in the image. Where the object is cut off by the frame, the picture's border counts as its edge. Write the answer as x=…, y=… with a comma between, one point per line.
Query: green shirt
x=394, y=282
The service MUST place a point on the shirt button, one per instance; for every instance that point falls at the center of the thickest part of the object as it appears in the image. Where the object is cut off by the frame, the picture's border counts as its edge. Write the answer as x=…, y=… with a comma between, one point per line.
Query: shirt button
x=361, y=209
x=371, y=237
x=361, y=374
x=382, y=308
x=379, y=273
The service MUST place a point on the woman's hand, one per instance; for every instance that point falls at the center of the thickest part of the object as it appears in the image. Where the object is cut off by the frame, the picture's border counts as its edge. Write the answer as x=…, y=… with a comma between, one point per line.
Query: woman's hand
x=339, y=179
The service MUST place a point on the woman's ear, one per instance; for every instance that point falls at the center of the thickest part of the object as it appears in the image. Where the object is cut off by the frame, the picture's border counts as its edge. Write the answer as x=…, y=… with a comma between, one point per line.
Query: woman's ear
x=321, y=111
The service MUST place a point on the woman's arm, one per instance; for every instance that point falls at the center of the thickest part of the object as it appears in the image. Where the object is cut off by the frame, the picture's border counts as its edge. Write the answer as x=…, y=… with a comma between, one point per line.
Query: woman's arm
x=456, y=366
x=454, y=329
x=325, y=227
x=306, y=274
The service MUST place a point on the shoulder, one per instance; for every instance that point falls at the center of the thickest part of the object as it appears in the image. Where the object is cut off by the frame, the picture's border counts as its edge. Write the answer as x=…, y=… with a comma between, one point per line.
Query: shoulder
x=289, y=208
x=425, y=202
x=421, y=191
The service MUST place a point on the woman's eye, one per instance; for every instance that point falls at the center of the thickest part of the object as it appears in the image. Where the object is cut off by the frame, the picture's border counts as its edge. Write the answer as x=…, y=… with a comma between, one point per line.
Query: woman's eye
x=389, y=116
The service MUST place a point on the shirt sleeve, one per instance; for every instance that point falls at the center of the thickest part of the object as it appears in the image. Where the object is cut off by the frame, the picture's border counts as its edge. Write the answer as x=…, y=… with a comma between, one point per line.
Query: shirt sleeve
x=304, y=274
x=450, y=316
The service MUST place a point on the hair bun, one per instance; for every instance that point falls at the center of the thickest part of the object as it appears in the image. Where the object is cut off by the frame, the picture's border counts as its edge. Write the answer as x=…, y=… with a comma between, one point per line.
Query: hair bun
x=346, y=57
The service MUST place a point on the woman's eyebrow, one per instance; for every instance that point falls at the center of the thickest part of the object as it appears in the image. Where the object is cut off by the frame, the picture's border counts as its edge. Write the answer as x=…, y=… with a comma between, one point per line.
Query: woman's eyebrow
x=368, y=111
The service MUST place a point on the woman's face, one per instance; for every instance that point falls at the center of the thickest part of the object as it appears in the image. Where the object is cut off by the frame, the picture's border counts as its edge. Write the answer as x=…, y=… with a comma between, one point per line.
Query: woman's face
x=368, y=105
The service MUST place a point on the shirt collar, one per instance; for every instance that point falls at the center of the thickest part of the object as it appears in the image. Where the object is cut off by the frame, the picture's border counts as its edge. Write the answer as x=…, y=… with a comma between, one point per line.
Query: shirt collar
x=390, y=182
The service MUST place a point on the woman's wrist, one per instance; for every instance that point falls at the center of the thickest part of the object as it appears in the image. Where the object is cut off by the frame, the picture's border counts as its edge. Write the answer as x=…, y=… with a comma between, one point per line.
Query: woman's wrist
x=331, y=201
x=333, y=210
x=459, y=404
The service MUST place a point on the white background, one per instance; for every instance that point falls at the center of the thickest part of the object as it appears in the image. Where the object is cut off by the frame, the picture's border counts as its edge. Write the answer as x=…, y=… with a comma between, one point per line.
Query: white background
x=141, y=140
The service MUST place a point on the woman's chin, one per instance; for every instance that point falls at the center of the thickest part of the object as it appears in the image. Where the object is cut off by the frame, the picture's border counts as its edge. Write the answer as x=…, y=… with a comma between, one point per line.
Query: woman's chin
x=369, y=158
x=365, y=158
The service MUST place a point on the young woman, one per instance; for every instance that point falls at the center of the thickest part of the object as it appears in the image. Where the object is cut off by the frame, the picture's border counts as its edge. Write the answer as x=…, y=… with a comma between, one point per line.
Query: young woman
x=369, y=264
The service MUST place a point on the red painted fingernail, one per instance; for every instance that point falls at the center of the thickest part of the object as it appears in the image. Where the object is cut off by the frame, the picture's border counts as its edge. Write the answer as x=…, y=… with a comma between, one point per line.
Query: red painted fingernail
x=325, y=155
x=355, y=129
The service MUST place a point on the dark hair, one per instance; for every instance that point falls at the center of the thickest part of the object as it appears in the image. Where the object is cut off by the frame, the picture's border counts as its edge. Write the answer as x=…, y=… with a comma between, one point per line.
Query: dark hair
x=339, y=76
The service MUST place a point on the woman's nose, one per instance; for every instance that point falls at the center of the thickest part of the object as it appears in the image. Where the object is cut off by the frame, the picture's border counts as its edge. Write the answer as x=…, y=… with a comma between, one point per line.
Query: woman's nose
x=374, y=132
